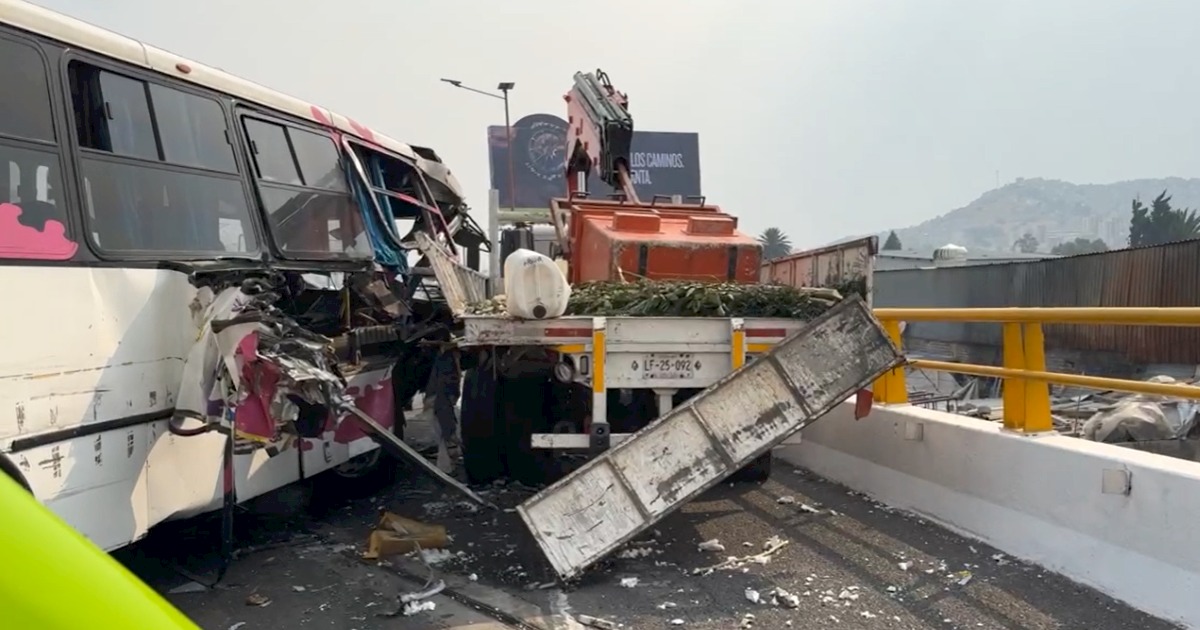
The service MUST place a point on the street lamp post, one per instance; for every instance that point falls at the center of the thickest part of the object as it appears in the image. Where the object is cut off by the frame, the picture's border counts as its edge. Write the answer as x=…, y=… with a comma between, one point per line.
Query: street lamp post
x=504, y=87
x=493, y=219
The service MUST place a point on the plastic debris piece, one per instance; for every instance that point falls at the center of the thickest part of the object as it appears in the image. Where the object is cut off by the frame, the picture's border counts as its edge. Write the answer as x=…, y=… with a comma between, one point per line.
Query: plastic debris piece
x=629, y=582
x=596, y=622
x=712, y=545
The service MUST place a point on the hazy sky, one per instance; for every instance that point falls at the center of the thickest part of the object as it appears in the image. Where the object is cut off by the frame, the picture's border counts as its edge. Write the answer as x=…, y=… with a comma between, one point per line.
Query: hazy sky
x=824, y=117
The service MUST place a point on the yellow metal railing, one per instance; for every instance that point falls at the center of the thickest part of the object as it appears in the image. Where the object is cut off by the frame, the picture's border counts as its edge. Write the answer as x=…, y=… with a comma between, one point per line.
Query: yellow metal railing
x=1026, y=386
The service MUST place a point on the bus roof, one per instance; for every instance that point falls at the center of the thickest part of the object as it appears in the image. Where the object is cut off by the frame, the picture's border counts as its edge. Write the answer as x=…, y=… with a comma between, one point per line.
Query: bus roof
x=80, y=34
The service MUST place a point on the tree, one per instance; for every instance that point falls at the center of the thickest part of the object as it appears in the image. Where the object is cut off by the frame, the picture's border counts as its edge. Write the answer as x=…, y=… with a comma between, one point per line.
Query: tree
x=892, y=242
x=775, y=243
x=1079, y=246
x=1027, y=244
x=1160, y=223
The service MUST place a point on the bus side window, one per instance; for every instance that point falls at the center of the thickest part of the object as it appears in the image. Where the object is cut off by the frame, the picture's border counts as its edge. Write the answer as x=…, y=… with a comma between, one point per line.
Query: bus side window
x=308, y=205
x=159, y=173
x=33, y=217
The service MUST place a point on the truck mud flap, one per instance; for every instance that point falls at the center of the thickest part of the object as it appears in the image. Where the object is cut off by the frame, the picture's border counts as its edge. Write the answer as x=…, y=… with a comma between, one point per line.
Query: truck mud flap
x=593, y=511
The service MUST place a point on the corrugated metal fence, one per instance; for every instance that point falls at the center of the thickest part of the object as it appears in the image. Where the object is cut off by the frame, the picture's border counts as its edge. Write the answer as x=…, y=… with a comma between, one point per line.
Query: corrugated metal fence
x=1165, y=275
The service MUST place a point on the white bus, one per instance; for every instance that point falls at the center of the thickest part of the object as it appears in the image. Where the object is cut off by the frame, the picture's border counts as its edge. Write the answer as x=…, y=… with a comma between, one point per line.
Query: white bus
x=128, y=175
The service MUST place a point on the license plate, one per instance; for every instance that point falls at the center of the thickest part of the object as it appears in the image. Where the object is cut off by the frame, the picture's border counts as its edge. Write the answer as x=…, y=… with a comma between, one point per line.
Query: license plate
x=668, y=366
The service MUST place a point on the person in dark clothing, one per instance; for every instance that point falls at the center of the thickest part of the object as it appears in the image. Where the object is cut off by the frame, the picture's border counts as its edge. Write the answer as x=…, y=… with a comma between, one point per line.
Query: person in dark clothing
x=445, y=388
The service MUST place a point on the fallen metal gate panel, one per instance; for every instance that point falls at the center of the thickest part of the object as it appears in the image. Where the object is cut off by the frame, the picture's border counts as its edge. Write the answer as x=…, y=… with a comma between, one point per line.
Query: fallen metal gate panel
x=591, y=512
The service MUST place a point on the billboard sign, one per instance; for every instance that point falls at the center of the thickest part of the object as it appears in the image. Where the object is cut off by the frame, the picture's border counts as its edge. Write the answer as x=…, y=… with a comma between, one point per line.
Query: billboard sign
x=661, y=163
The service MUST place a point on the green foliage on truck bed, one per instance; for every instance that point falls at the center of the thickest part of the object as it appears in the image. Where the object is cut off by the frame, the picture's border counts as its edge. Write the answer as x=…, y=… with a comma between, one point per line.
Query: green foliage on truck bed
x=698, y=299
x=657, y=298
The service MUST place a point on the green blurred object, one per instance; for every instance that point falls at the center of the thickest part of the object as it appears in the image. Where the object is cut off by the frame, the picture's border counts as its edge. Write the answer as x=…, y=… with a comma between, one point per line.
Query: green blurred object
x=55, y=579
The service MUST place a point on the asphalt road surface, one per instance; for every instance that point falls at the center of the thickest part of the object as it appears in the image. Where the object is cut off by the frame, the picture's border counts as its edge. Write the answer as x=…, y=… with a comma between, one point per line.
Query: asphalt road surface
x=848, y=563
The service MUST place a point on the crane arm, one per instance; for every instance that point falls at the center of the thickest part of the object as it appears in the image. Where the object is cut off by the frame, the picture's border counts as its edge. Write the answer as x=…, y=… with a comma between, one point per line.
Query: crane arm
x=599, y=134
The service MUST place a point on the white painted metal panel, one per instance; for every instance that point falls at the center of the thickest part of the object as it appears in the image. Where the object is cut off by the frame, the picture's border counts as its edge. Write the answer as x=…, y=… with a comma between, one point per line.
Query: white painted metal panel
x=460, y=285
x=612, y=498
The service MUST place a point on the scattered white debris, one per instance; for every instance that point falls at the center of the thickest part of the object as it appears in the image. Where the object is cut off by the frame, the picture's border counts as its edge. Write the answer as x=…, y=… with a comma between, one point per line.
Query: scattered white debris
x=733, y=562
x=666, y=605
x=712, y=545
x=473, y=577
x=412, y=608
x=629, y=582
x=299, y=589
x=237, y=625
x=904, y=566
x=1000, y=559
x=188, y=587
x=892, y=589
x=780, y=597
x=637, y=552
x=849, y=594
x=677, y=622
x=866, y=614
x=786, y=500
x=596, y=622
x=753, y=596
x=436, y=556
x=804, y=507
x=963, y=577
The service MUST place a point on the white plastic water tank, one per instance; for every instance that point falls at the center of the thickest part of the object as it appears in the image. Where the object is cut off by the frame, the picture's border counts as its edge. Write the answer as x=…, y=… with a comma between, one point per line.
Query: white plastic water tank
x=534, y=286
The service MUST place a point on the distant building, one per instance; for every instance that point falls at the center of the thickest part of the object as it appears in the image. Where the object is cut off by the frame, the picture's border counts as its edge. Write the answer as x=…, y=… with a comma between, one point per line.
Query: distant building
x=949, y=255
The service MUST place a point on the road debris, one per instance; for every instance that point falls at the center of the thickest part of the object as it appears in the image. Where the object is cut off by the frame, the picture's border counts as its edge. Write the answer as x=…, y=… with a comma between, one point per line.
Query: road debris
x=772, y=545
x=190, y=586
x=786, y=500
x=255, y=599
x=753, y=596
x=804, y=507
x=711, y=545
x=596, y=622
x=396, y=535
x=413, y=608
x=629, y=582
x=237, y=625
x=782, y=598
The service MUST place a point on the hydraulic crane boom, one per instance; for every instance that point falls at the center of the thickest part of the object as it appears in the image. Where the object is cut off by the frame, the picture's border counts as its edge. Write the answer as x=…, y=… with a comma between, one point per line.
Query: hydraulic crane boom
x=599, y=134
x=626, y=238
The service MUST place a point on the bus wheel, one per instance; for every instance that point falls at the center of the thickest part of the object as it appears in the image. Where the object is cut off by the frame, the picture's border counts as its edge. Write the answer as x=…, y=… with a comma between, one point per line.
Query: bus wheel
x=361, y=476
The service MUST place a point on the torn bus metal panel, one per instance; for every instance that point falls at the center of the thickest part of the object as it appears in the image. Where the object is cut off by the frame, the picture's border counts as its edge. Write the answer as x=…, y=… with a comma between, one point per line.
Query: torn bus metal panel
x=459, y=285
x=612, y=498
x=256, y=371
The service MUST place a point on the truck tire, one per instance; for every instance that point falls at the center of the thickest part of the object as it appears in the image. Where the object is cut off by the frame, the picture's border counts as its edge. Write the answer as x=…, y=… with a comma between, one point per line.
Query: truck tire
x=481, y=427
x=757, y=471
x=523, y=412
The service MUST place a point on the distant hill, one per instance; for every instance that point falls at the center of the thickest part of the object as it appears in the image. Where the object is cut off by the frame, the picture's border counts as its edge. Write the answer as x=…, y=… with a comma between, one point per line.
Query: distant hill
x=1053, y=211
